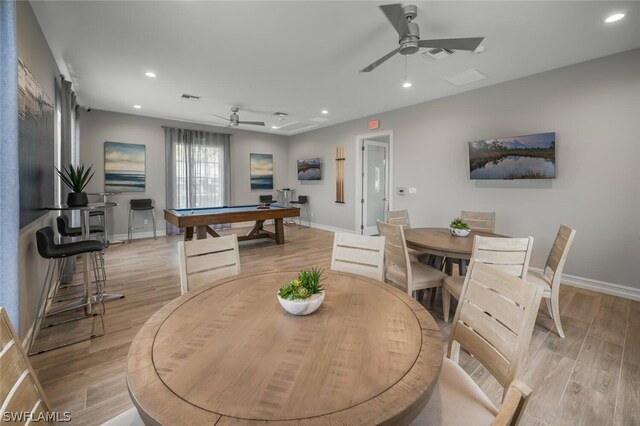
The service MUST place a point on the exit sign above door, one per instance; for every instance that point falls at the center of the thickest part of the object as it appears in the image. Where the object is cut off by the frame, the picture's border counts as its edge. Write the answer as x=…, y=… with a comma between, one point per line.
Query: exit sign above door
x=374, y=124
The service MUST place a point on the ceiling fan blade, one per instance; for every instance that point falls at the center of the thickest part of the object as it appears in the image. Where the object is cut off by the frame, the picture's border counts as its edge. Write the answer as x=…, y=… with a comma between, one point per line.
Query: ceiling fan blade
x=395, y=15
x=254, y=123
x=224, y=118
x=380, y=61
x=453, y=43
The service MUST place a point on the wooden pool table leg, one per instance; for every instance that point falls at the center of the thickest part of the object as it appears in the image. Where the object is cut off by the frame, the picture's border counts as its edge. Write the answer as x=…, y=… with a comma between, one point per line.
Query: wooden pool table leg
x=279, y=231
x=188, y=233
x=202, y=232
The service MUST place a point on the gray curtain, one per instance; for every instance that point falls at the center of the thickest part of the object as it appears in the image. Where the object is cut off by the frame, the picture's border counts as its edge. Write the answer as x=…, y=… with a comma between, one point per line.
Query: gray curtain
x=9, y=221
x=198, y=170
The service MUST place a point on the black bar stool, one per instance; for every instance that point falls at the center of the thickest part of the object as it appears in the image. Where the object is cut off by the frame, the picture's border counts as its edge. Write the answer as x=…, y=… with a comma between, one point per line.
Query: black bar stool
x=137, y=205
x=303, y=202
x=267, y=199
x=66, y=230
x=56, y=253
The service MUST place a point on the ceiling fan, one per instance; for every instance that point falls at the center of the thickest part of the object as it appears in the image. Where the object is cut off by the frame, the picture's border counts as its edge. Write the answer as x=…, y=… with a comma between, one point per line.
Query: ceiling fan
x=234, y=120
x=401, y=17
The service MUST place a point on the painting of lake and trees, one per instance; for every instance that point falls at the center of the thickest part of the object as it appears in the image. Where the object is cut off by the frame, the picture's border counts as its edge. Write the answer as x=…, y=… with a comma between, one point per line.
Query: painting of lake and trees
x=124, y=167
x=519, y=157
x=309, y=169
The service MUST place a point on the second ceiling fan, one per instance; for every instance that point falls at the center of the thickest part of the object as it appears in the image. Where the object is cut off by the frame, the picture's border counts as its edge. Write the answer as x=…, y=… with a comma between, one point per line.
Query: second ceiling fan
x=401, y=17
x=234, y=119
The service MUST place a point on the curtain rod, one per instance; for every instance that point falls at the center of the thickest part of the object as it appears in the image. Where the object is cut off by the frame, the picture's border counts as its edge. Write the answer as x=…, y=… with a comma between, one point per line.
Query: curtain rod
x=193, y=130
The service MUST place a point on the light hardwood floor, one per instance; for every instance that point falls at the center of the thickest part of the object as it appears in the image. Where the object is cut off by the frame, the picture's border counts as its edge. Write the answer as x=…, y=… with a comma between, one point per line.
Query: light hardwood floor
x=592, y=377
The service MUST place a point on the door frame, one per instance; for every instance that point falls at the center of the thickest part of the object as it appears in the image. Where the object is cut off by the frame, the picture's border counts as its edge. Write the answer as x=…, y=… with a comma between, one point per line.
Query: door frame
x=358, y=175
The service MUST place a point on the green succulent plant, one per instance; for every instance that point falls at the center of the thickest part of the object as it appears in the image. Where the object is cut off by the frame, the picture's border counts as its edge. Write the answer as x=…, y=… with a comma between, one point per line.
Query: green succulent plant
x=307, y=284
x=457, y=223
x=76, y=178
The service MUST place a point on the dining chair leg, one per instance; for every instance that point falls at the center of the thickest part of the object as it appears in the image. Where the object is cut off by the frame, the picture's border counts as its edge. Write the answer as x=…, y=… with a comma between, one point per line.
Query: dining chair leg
x=555, y=314
x=153, y=214
x=446, y=303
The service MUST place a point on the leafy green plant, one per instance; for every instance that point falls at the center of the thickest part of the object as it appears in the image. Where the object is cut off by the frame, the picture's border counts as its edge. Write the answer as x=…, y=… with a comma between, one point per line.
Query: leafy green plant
x=76, y=178
x=457, y=223
x=308, y=283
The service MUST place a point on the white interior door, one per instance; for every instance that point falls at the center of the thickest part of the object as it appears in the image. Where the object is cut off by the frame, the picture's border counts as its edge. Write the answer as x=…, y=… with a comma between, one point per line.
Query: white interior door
x=375, y=188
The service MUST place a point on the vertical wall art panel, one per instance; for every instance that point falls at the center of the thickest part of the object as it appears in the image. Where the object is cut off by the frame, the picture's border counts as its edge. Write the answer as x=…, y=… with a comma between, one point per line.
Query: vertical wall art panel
x=261, y=171
x=35, y=148
x=124, y=167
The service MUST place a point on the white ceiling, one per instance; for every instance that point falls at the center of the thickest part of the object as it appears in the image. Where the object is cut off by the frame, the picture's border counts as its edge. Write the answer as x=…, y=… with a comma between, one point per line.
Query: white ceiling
x=300, y=57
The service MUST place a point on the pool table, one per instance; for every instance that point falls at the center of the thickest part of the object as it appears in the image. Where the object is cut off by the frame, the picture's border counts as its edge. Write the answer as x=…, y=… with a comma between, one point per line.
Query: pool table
x=200, y=219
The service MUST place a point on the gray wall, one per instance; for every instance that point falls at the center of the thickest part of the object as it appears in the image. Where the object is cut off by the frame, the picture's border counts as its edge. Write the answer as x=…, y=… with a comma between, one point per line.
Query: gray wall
x=96, y=127
x=36, y=55
x=593, y=108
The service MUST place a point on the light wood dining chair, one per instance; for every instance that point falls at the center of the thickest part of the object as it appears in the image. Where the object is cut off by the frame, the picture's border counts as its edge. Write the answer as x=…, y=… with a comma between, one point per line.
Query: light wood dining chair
x=512, y=255
x=479, y=221
x=549, y=278
x=21, y=391
x=494, y=323
x=207, y=260
x=358, y=254
x=398, y=217
x=401, y=217
x=399, y=270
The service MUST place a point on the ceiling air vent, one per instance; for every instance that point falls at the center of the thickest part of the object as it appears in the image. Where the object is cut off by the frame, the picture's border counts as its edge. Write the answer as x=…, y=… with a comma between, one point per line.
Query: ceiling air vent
x=466, y=77
x=189, y=97
x=436, y=54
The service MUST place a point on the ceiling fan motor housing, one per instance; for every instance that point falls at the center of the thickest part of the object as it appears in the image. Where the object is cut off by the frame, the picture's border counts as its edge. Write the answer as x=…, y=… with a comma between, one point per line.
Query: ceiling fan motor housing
x=409, y=43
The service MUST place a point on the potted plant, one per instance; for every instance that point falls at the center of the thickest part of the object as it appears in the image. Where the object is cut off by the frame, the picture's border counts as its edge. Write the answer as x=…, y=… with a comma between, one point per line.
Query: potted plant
x=76, y=178
x=304, y=294
x=458, y=228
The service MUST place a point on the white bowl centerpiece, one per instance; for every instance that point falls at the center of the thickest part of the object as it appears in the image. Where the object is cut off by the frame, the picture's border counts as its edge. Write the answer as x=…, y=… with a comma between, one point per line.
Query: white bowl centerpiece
x=304, y=294
x=459, y=228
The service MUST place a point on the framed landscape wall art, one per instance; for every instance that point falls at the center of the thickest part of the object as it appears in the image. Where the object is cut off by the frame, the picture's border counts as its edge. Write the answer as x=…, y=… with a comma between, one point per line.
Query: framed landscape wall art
x=309, y=169
x=124, y=167
x=516, y=157
x=261, y=171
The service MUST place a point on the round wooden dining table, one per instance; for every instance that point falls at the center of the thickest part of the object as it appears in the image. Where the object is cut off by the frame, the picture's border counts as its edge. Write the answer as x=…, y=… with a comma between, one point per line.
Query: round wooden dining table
x=440, y=242
x=229, y=354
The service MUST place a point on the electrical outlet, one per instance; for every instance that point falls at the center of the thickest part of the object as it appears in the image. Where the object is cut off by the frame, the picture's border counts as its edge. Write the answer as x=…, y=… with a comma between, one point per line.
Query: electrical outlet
x=401, y=190
x=146, y=221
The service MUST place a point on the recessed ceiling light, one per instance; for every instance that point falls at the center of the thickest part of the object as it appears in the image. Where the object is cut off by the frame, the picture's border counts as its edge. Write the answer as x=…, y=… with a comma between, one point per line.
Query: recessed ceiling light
x=613, y=18
x=324, y=111
x=150, y=74
x=275, y=127
x=406, y=84
x=137, y=106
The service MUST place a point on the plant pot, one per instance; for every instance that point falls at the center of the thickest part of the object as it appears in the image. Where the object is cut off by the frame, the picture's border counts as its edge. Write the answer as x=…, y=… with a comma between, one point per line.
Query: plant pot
x=77, y=199
x=302, y=306
x=459, y=232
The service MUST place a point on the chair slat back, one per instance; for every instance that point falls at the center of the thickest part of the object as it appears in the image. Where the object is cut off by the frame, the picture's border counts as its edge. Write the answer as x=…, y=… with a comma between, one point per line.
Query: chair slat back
x=208, y=260
x=20, y=390
x=512, y=255
x=479, y=221
x=398, y=217
x=494, y=320
x=396, y=254
x=358, y=254
x=558, y=254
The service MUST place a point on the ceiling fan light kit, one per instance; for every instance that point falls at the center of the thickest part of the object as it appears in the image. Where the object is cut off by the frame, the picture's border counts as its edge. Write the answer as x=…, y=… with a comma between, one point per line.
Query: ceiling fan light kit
x=401, y=18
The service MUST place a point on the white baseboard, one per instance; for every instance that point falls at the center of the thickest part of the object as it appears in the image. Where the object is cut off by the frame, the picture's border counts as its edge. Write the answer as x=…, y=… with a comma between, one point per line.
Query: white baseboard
x=330, y=228
x=599, y=286
x=137, y=235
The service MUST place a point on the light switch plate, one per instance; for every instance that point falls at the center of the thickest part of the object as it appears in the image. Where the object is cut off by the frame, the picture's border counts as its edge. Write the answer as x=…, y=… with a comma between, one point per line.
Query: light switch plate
x=412, y=190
